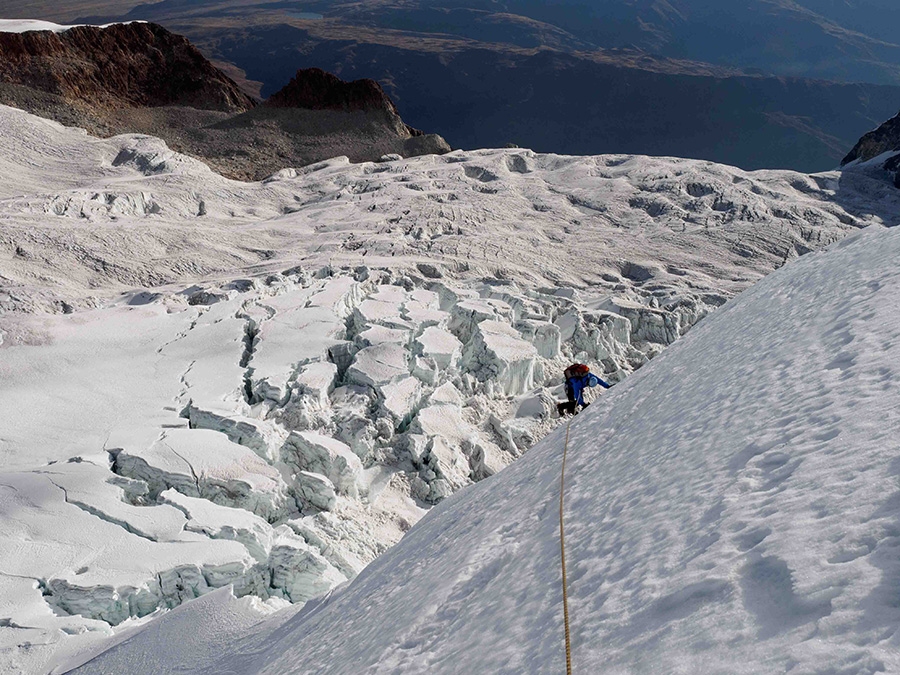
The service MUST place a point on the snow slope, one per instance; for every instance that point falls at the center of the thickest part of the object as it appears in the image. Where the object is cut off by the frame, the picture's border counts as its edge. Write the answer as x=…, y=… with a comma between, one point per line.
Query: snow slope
x=208, y=383
x=25, y=25
x=731, y=508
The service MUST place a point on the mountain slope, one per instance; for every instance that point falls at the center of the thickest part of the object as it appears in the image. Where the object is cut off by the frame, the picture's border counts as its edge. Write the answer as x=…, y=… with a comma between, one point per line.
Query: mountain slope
x=481, y=94
x=732, y=507
x=141, y=78
x=755, y=84
x=135, y=64
x=880, y=144
x=315, y=116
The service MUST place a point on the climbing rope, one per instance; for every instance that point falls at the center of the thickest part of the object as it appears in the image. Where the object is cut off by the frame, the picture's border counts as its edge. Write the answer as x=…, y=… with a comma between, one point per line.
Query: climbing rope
x=562, y=552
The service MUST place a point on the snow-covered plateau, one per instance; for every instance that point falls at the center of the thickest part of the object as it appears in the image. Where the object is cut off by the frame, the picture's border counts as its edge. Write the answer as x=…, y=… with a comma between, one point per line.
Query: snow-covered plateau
x=261, y=387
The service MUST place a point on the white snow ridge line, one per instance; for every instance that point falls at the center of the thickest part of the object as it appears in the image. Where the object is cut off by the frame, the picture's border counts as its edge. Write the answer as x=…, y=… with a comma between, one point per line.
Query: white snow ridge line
x=24, y=25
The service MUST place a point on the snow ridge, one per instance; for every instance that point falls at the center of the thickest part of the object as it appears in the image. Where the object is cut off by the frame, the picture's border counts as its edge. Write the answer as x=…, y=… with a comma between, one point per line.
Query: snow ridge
x=25, y=25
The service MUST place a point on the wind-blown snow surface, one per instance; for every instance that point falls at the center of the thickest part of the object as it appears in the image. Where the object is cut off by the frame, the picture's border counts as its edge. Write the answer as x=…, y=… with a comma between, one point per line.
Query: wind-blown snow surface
x=732, y=508
x=317, y=359
x=25, y=25
x=82, y=217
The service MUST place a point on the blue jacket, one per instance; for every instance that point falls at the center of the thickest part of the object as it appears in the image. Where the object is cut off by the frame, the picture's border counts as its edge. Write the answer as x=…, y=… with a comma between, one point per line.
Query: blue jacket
x=575, y=387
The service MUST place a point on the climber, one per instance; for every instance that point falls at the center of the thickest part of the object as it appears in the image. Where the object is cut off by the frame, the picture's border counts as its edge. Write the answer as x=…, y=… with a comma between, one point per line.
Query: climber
x=578, y=378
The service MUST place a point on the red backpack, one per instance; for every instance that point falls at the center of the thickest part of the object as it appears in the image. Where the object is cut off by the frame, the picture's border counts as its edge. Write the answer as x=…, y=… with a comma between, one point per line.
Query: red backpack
x=576, y=370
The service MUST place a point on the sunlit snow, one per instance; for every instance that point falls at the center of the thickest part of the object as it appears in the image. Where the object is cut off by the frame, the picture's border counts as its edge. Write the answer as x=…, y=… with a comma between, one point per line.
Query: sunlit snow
x=731, y=508
x=25, y=25
x=263, y=386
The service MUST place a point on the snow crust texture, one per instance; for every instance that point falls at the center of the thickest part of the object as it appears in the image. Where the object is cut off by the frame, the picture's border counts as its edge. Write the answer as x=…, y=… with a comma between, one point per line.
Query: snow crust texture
x=731, y=508
x=301, y=368
x=25, y=25
x=83, y=218
x=279, y=436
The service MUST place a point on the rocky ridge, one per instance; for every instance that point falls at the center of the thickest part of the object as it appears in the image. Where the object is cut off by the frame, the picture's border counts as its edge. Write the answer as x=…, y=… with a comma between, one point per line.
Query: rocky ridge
x=140, y=77
x=314, y=89
x=884, y=139
x=122, y=65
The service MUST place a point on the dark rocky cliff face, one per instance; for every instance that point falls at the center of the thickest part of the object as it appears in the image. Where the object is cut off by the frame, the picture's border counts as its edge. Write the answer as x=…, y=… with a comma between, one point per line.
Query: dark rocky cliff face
x=885, y=138
x=136, y=64
x=314, y=89
x=142, y=78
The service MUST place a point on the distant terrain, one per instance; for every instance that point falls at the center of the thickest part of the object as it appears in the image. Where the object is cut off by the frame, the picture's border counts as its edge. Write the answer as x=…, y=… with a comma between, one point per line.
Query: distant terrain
x=553, y=101
x=140, y=77
x=223, y=397
x=759, y=84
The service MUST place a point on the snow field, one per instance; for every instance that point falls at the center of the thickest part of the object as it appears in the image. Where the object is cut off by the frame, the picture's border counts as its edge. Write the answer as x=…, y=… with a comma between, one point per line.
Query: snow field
x=298, y=369
x=730, y=508
x=548, y=221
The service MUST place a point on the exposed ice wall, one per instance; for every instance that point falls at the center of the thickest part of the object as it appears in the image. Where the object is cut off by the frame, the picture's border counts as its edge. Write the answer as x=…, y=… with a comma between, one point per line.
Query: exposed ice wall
x=740, y=520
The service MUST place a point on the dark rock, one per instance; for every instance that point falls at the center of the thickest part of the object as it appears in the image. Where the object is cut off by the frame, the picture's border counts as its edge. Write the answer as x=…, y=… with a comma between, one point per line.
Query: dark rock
x=885, y=138
x=314, y=89
x=123, y=65
x=205, y=298
x=141, y=78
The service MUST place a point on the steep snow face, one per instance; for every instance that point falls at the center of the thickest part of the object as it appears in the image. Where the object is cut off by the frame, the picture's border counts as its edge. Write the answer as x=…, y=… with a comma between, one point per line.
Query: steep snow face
x=289, y=430
x=730, y=508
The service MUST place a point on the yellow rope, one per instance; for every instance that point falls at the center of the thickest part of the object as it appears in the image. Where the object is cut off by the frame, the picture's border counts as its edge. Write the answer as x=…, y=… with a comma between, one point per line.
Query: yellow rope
x=562, y=551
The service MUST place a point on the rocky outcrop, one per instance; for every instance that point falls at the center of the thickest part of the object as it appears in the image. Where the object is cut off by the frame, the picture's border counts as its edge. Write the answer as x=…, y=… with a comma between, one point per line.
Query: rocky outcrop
x=363, y=103
x=141, y=78
x=314, y=89
x=134, y=64
x=884, y=139
x=893, y=165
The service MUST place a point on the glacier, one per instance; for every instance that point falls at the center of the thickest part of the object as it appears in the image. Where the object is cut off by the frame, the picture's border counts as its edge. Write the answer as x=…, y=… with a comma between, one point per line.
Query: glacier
x=731, y=507
x=215, y=389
